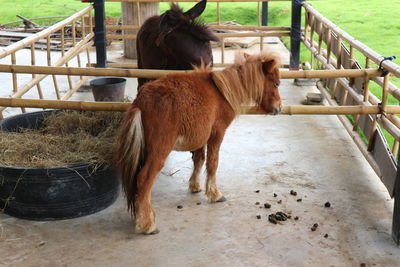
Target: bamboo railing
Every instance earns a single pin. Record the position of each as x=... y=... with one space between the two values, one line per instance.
x=80 y=42
x=334 y=49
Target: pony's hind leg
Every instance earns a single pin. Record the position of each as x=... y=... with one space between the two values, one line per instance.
x=198 y=161
x=144 y=212
x=212 y=191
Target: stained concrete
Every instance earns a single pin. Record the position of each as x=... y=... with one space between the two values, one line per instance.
x=260 y=156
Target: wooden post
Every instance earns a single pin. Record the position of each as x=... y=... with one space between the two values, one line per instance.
x=135 y=14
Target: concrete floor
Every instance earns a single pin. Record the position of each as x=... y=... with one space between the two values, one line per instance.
x=312 y=155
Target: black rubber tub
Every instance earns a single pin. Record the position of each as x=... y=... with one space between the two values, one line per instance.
x=53 y=193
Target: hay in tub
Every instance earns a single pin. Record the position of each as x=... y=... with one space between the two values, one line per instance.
x=63 y=139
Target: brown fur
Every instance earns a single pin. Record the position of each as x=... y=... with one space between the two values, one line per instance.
x=187 y=112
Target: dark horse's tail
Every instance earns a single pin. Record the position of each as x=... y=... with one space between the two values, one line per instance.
x=130 y=153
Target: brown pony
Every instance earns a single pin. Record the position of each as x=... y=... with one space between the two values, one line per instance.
x=174 y=41
x=187 y=112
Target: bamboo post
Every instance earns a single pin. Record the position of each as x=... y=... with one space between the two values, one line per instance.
x=63 y=54
x=321 y=27
x=385 y=90
x=91 y=32
x=306 y=23
x=351 y=58
x=55 y=82
x=366 y=91
x=33 y=62
x=14 y=75
x=312 y=37
x=222 y=50
x=218 y=14
x=78 y=57
x=339 y=53
x=395 y=149
x=328 y=45
x=366 y=82
x=258 y=13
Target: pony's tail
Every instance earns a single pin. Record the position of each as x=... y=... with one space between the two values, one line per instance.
x=130 y=154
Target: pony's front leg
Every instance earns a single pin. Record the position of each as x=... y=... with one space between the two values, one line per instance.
x=144 y=212
x=198 y=161
x=212 y=191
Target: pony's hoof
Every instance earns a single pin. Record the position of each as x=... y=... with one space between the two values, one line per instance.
x=196 y=191
x=154 y=232
x=221 y=199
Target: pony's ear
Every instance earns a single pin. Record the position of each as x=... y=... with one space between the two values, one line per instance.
x=246 y=56
x=196 y=11
x=269 y=66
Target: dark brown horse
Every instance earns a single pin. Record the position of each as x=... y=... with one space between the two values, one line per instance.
x=187 y=112
x=174 y=41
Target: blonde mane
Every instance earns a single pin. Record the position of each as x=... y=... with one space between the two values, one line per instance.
x=243 y=83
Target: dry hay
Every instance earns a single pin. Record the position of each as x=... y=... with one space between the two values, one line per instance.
x=63 y=139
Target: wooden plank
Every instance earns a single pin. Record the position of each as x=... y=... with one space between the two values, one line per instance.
x=386 y=162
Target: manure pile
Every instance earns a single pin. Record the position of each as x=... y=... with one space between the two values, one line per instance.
x=64 y=138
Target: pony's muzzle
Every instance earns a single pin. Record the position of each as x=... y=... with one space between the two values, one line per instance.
x=278 y=109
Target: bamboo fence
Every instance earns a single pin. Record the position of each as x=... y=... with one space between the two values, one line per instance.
x=333 y=49
x=81 y=42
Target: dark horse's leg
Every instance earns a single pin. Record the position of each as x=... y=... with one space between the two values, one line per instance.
x=198 y=161
x=213 y=146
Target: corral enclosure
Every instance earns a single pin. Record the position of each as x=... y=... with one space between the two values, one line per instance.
x=344 y=81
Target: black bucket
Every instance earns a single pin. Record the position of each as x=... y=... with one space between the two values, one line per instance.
x=57 y=192
x=108 y=89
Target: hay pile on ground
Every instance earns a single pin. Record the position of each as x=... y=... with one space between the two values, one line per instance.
x=65 y=138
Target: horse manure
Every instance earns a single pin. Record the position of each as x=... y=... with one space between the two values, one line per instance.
x=281 y=216
x=257 y=191
x=296 y=218
x=299 y=200
x=180 y=207
x=278 y=216
x=267 y=205
x=258 y=216
x=327 y=204
x=293 y=193
x=198 y=203
x=279 y=201
x=257 y=203
x=314 y=227
x=326 y=235
x=275 y=195
x=272 y=219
